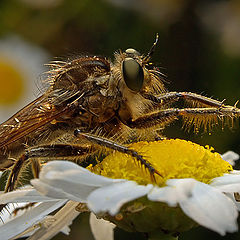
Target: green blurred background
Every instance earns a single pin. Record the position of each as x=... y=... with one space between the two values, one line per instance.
x=199 y=51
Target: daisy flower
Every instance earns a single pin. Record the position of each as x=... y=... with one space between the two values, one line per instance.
x=196 y=187
x=20 y=65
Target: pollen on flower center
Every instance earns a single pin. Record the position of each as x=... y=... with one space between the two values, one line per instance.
x=173 y=158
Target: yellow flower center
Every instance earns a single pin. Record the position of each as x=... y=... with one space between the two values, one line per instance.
x=171 y=158
x=11 y=83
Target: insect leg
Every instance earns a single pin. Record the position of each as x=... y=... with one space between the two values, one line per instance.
x=45 y=153
x=13 y=176
x=57 y=151
x=209 y=117
x=36 y=167
x=193 y=98
x=118 y=147
x=197 y=116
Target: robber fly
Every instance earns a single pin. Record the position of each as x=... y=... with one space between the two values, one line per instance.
x=109 y=104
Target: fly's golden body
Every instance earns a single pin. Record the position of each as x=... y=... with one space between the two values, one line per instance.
x=106 y=103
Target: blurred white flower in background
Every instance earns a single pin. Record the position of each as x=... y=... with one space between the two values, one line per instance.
x=21 y=64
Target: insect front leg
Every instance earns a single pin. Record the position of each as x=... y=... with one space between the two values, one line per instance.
x=118 y=147
x=192 y=98
x=41 y=154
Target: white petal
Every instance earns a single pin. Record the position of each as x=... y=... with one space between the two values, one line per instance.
x=21 y=223
x=63 y=179
x=23 y=195
x=237 y=172
x=78 y=174
x=177 y=189
x=111 y=198
x=231 y=196
x=201 y=202
x=59 y=222
x=164 y=194
x=230 y=157
x=66 y=230
x=227 y=183
x=101 y=229
x=52 y=192
x=211 y=208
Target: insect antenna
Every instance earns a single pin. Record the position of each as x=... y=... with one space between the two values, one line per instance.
x=152 y=49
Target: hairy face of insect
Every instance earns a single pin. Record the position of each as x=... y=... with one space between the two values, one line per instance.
x=134 y=73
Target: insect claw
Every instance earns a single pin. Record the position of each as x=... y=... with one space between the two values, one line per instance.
x=158 y=173
x=153 y=179
x=153 y=171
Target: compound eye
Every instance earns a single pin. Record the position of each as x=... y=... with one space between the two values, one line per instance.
x=132 y=74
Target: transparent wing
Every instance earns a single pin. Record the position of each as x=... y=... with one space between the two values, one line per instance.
x=32 y=117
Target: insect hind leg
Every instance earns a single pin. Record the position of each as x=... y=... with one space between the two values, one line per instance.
x=44 y=153
x=15 y=171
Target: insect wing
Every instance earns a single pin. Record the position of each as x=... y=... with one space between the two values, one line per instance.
x=32 y=117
